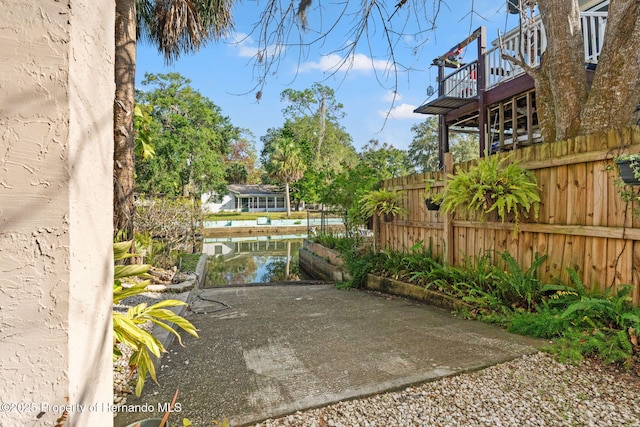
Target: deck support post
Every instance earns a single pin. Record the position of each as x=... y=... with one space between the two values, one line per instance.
x=482 y=85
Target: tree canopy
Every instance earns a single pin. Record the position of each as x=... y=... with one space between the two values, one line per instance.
x=423 y=150
x=191 y=138
x=241 y=161
x=313 y=115
x=386 y=160
x=312 y=121
x=175 y=27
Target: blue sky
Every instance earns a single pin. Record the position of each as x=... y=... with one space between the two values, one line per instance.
x=224 y=71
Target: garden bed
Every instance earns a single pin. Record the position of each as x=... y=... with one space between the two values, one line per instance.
x=327 y=264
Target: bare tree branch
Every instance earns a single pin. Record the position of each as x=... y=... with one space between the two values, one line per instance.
x=284 y=25
x=525 y=22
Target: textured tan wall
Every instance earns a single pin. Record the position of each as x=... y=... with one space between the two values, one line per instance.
x=56 y=97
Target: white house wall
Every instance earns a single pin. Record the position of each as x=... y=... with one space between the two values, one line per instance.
x=228 y=203
x=56 y=192
x=216 y=248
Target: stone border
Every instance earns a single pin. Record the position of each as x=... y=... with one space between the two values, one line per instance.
x=419 y=293
x=183 y=292
x=327 y=264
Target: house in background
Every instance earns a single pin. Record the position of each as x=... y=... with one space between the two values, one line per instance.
x=247 y=198
x=492 y=96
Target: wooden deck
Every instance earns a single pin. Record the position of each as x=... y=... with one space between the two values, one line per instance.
x=495 y=96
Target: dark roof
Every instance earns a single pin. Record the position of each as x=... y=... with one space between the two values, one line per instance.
x=254 y=189
x=443 y=105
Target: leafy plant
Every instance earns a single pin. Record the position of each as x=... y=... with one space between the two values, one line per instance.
x=545 y=323
x=493 y=185
x=383 y=202
x=338 y=242
x=142 y=122
x=633 y=160
x=517 y=287
x=612 y=346
x=608 y=311
x=431 y=198
x=127 y=328
x=360 y=263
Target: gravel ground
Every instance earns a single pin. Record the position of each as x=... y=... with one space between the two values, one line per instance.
x=530 y=391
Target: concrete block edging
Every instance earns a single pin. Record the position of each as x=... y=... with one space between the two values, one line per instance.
x=326 y=264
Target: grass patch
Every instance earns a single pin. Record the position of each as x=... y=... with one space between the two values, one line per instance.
x=188 y=262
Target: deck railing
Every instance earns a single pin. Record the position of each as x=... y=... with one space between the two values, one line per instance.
x=463 y=82
x=593 y=25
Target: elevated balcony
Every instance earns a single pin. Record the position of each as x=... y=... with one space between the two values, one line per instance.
x=462 y=86
x=494 y=97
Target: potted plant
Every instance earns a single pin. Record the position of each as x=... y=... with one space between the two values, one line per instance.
x=384 y=203
x=431 y=201
x=432 y=204
x=629 y=168
x=493 y=186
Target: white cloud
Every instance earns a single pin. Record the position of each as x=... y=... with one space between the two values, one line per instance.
x=246 y=46
x=392 y=97
x=334 y=62
x=402 y=111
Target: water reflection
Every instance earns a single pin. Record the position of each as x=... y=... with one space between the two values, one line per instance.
x=252 y=259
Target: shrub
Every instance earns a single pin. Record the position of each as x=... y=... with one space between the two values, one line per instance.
x=127 y=327
x=165 y=226
x=516 y=287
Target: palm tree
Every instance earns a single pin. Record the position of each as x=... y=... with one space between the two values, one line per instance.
x=286 y=165
x=175 y=27
x=237 y=173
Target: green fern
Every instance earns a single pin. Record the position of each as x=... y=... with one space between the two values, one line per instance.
x=517 y=287
x=383 y=202
x=608 y=346
x=611 y=311
x=493 y=185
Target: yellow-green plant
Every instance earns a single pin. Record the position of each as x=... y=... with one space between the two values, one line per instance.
x=127 y=326
x=493 y=185
x=383 y=202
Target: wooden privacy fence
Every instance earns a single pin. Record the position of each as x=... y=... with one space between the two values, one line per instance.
x=583 y=223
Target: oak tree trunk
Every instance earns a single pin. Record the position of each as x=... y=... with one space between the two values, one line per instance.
x=561 y=80
x=615 y=91
x=567 y=105
x=123 y=157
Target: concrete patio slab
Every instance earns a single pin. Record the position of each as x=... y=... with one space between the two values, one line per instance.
x=270 y=350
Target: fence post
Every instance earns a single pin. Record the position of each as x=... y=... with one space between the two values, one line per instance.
x=448 y=223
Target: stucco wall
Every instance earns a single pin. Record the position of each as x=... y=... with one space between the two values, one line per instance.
x=56 y=141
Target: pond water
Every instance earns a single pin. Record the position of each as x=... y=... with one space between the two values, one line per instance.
x=261 y=259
